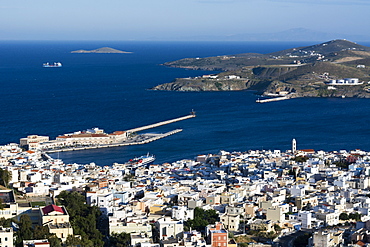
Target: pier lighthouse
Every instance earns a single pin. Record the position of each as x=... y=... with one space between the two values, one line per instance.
x=294 y=146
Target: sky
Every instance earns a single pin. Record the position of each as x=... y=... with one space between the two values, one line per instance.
x=175 y=19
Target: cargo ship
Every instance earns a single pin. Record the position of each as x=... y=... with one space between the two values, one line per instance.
x=54 y=65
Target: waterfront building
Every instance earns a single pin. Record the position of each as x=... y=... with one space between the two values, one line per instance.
x=25 y=142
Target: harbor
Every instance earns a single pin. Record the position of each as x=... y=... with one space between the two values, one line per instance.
x=96 y=138
x=141 y=139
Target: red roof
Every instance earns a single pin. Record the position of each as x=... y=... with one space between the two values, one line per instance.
x=360 y=243
x=51 y=208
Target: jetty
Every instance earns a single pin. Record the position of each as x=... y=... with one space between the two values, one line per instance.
x=272 y=99
x=160 y=123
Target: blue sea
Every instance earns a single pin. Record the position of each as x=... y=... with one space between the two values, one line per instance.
x=110 y=91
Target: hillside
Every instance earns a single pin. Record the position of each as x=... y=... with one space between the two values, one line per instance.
x=301 y=72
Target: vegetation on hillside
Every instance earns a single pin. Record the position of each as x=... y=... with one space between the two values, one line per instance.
x=83 y=219
x=202 y=218
x=5 y=177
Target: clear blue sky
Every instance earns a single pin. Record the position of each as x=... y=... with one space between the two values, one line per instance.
x=164 y=19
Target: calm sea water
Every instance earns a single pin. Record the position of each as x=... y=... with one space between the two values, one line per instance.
x=109 y=91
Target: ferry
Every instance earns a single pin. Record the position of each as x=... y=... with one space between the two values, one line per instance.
x=54 y=65
x=142 y=160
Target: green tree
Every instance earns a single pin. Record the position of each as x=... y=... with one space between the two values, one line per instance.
x=5 y=177
x=300 y=159
x=73 y=241
x=83 y=218
x=25 y=227
x=25 y=231
x=2 y=204
x=5 y=222
x=202 y=218
x=343 y=216
x=41 y=232
x=120 y=239
x=354 y=216
x=277 y=228
x=54 y=241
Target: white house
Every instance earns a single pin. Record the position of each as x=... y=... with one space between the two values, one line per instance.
x=6 y=237
x=182 y=213
x=168 y=228
x=305 y=218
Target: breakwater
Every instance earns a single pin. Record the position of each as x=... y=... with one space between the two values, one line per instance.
x=272 y=99
x=160 y=123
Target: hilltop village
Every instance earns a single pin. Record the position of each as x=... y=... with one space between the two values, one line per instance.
x=254 y=198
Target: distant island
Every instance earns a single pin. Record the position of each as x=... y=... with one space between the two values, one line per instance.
x=337 y=68
x=101 y=50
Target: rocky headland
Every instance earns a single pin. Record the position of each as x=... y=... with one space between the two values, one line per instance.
x=298 y=72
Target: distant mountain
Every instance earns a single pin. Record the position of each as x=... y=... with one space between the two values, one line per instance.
x=326 y=48
x=295 y=34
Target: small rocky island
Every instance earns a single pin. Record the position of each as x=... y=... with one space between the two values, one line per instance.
x=338 y=68
x=101 y=50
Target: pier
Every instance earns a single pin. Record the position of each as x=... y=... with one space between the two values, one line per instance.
x=160 y=123
x=271 y=100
